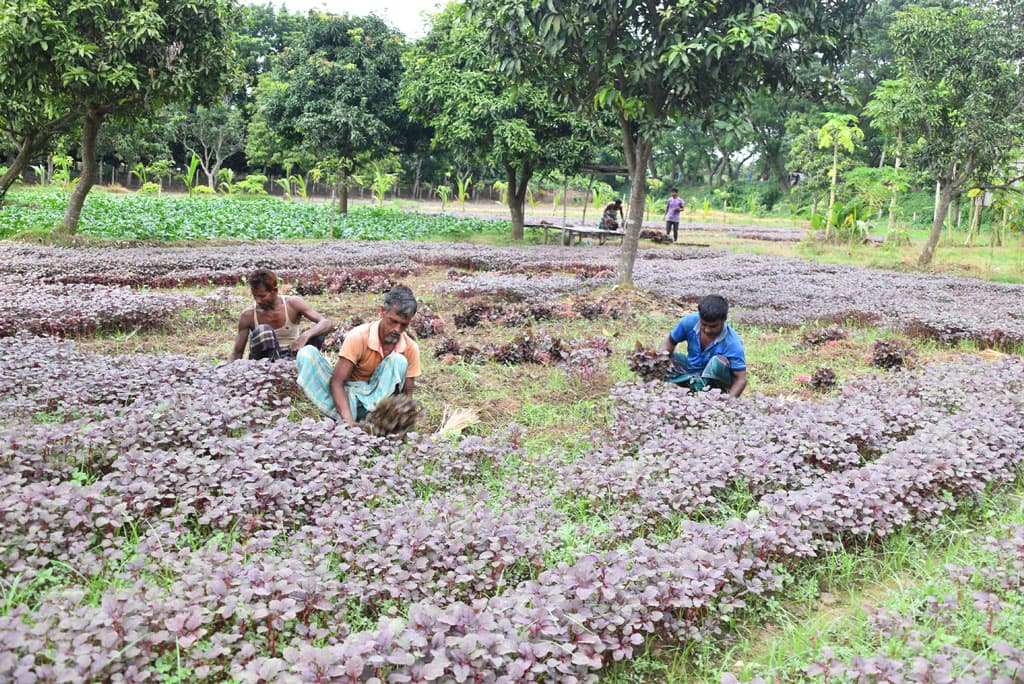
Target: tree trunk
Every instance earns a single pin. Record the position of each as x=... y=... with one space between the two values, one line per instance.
x=778 y=169
x=945 y=196
x=416 y=181
x=832 y=188
x=895 y=191
x=343 y=190
x=28 y=148
x=638 y=155
x=90 y=130
x=517 y=197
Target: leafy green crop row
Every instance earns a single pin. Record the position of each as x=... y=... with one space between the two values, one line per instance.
x=137 y=217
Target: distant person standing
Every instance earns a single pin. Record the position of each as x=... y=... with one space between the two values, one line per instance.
x=610 y=217
x=673 y=208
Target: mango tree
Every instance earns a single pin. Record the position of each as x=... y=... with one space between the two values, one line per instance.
x=336 y=92
x=962 y=65
x=650 y=63
x=121 y=58
x=892 y=107
x=450 y=84
x=34 y=109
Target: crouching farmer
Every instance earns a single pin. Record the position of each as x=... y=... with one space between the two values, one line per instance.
x=271 y=326
x=377 y=360
x=714 y=352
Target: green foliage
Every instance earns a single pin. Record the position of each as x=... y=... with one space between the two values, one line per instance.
x=462 y=184
x=959 y=78
x=112 y=59
x=443 y=192
x=140 y=172
x=149 y=188
x=451 y=84
x=648 y=62
x=501 y=187
x=226 y=178
x=253 y=184
x=140 y=217
x=161 y=169
x=334 y=93
x=189 y=176
x=382 y=182
x=211 y=134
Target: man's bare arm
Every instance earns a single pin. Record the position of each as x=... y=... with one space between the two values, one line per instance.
x=409 y=386
x=242 y=337
x=342 y=372
x=739 y=383
x=322 y=327
x=668 y=345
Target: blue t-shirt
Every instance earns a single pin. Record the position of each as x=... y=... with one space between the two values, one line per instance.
x=727 y=344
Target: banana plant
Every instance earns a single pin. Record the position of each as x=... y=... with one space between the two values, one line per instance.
x=300 y=186
x=141 y=172
x=556 y=197
x=463 y=183
x=286 y=185
x=40 y=171
x=189 y=176
x=62 y=174
x=382 y=182
x=227 y=181
x=501 y=187
x=444 y=192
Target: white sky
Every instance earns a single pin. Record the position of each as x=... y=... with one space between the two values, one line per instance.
x=405 y=15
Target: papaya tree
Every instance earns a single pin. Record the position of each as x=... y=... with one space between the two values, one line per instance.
x=838 y=131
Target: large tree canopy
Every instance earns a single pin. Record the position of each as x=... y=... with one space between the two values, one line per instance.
x=451 y=84
x=338 y=93
x=652 y=62
x=960 y=69
x=101 y=58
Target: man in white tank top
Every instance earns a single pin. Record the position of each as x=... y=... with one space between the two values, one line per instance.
x=271 y=326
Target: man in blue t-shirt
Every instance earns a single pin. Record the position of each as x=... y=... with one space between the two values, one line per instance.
x=714 y=352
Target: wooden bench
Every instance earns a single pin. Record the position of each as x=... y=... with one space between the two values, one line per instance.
x=581 y=231
x=545 y=226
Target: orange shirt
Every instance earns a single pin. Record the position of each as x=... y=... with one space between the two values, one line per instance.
x=362 y=347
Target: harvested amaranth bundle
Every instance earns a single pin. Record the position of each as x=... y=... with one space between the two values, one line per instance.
x=650 y=364
x=395 y=415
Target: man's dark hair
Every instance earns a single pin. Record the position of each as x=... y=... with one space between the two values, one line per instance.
x=401 y=300
x=676 y=190
x=617 y=202
x=713 y=308
x=264 y=278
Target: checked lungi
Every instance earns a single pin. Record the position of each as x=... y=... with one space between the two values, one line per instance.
x=716 y=374
x=263 y=344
